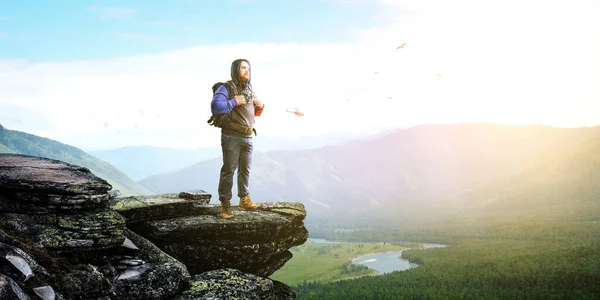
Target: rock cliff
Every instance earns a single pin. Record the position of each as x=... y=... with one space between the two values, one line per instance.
x=255 y=242
x=63 y=235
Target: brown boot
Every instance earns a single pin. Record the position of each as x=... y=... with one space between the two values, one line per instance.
x=226 y=209
x=247 y=204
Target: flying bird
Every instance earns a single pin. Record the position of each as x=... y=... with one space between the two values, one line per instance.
x=401 y=46
x=295 y=111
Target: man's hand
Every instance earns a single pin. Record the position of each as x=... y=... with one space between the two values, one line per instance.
x=240 y=100
x=257 y=103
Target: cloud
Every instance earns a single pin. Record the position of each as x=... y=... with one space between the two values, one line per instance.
x=111 y=12
x=526 y=71
x=91 y=98
x=514 y=56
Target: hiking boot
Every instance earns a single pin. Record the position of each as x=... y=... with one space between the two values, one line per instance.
x=226 y=209
x=246 y=203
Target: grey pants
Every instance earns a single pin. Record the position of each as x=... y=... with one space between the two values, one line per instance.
x=237 y=154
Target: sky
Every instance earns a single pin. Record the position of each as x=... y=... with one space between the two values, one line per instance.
x=107 y=74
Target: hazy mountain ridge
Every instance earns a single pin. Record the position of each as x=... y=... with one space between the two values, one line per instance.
x=140 y=162
x=397 y=174
x=12 y=141
x=564 y=186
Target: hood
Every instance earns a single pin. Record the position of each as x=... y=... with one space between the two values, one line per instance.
x=235 y=72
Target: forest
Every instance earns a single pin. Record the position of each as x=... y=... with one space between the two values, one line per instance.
x=529 y=260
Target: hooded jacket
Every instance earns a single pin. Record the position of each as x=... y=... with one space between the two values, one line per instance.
x=243 y=114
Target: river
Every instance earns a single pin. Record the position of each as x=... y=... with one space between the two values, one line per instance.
x=381 y=262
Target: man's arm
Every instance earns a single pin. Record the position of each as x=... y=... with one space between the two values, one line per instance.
x=221 y=103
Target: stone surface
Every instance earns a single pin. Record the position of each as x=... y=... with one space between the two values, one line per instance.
x=40 y=185
x=145 y=272
x=83 y=230
x=19 y=265
x=156 y=207
x=201 y=195
x=166 y=278
x=233 y=284
x=255 y=242
x=25 y=272
x=10 y=290
x=26 y=173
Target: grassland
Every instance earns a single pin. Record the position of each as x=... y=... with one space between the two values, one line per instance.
x=327 y=262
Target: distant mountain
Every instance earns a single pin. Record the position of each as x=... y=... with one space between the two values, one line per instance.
x=12 y=141
x=564 y=186
x=398 y=175
x=266 y=144
x=140 y=162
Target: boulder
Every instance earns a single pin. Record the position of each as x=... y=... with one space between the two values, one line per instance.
x=255 y=242
x=233 y=284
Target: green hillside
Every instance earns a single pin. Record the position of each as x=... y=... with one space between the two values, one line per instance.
x=12 y=141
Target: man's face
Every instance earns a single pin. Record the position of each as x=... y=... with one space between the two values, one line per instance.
x=245 y=71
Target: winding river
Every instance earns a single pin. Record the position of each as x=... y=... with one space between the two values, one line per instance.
x=381 y=262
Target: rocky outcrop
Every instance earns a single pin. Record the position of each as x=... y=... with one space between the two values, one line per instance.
x=233 y=284
x=61 y=238
x=39 y=186
x=255 y=242
x=57 y=215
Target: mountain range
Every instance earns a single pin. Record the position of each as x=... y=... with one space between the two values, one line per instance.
x=420 y=175
x=140 y=162
x=404 y=175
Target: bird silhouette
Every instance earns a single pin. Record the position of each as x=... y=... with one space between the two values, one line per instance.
x=401 y=46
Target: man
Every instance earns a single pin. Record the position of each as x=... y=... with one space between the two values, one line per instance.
x=236 y=136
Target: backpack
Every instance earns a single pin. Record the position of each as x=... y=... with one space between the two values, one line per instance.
x=220 y=120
